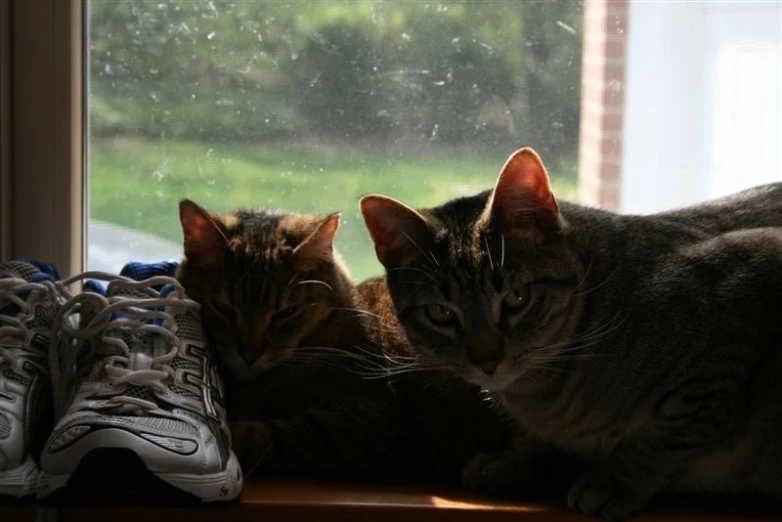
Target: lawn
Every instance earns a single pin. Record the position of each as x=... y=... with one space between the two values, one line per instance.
x=138 y=183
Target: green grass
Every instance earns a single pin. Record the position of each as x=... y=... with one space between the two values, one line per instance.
x=138 y=183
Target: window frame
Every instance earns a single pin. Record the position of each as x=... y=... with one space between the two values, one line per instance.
x=42 y=138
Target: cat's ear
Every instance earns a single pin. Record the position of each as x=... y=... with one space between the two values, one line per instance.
x=522 y=200
x=398 y=231
x=204 y=239
x=318 y=247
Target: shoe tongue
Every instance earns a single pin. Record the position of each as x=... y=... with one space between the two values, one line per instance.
x=90 y=309
x=141 y=271
x=94 y=286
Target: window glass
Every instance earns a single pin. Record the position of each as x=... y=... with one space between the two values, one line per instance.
x=309 y=105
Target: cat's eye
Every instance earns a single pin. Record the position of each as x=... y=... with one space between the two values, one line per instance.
x=440 y=315
x=286 y=312
x=516 y=300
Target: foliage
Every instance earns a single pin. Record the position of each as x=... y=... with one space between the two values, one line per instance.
x=450 y=72
x=337 y=84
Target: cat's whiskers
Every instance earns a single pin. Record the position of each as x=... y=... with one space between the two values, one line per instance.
x=315 y=282
x=429 y=255
x=547 y=358
x=396 y=371
x=591 y=336
x=586 y=273
x=596 y=287
x=414 y=269
x=426 y=255
x=311 y=361
x=424 y=284
x=488 y=251
x=330 y=358
x=356 y=310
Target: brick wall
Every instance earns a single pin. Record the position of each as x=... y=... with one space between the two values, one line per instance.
x=602 y=102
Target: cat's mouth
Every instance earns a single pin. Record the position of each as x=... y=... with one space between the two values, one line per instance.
x=500 y=379
x=248 y=368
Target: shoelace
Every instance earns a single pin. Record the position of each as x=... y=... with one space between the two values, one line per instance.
x=13 y=328
x=117 y=316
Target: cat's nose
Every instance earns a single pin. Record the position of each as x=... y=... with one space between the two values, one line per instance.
x=489 y=367
x=251 y=353
x=250 y=358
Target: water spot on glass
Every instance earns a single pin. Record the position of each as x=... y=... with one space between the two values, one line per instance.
x=439 y=84
x=433 y=136
x=406 y=37
x=211 y=35
x=107 y=68
x=210 y=153
x=158 y=175
x=210 y=182
x=155 y=97
x=224 y=102
x=566 y=27
x=153 y=71
x=192 y=96
x=486 y=46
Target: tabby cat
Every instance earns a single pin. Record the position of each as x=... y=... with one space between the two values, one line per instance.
x=648 y=346
x=307 y=390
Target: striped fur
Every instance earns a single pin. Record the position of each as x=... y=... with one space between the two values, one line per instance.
x=310 y=394
x=292 y=346
x=650 y=347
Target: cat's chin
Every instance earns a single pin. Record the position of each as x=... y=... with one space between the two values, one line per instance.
x=242 y=372
x=493 y=383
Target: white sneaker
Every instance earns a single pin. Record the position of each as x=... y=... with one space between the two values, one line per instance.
x=29 y=299
x=141 y=409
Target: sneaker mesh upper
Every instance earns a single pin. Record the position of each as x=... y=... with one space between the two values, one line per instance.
x=5 y=427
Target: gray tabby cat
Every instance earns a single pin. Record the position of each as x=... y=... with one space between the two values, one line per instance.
x=648 y=346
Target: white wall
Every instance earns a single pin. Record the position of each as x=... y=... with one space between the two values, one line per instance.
x=703 y=101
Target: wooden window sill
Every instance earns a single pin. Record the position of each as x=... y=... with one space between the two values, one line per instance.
x=300 y=501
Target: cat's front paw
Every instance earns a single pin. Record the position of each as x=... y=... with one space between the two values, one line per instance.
x=491 y=474
x=603 y=494
x=250 y=442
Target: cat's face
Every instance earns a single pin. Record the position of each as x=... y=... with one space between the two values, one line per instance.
x=484 y=286
x=264 y=280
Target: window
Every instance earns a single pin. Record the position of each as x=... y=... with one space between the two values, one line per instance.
x=309 y=105
x=643 y=104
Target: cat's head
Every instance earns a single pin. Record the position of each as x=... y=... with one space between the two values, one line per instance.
x=265 y=281
x=483 y=285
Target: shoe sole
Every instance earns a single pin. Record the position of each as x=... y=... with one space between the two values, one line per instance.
x=119 y=476
x=21 y=481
